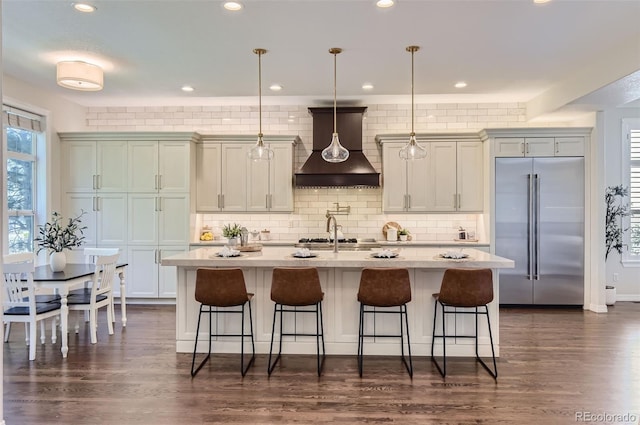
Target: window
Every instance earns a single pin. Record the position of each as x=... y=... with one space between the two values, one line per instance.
x=21 y=130
x=631 y=136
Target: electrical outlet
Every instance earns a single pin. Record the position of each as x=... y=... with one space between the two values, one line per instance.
x=616 y=277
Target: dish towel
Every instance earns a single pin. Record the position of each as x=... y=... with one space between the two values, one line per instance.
x=228 y=252
x=303 y=252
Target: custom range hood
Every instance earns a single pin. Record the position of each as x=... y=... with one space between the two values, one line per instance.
x=356 y=171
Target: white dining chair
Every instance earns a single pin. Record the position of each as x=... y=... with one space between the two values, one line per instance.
x=20 y=304
x=99 y=294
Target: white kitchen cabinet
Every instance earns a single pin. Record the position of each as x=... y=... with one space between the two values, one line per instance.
x=450 y=179
x=158 y=219
x=227 y=180
x=535 y=146
x=161 y=166
x=90 y=166
x=105 y=217
x=146 y=278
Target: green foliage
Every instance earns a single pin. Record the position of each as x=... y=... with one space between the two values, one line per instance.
x=616 y=209
x=231 y=230
x=56 y=237
x=403 y=231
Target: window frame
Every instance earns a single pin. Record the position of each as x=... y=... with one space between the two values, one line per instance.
x=628 y=125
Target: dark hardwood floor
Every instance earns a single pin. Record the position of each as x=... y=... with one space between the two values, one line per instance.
x=554 y=364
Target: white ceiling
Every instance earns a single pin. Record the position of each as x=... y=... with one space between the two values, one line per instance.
x=506 y=50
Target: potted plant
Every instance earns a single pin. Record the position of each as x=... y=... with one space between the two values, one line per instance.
x=403 y=234
x=232 y=232
x=617 y=208
x=55 y=236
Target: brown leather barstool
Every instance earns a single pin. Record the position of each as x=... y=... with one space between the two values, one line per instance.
x=384 y=287
x=296 y=287
x=222 y=288
x=467 y=288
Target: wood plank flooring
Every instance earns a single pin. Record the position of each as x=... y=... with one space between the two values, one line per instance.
x=554 y=363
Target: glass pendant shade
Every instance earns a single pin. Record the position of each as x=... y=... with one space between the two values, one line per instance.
x=260 y=152
x=335 y=152
x=412 y=150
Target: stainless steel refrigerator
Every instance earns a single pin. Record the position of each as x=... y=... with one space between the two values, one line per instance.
x=539 y=223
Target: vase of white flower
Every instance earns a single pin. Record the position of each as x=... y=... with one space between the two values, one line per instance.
x=56 y=237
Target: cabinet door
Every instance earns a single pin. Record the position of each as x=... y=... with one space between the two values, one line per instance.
x=143 y=219
x=75 y=204
x=394 y=179
x=111 y=214
x=208 y=177
x=79 y=166
x=442 y=177
x=111 y=166
x=569 y=146
x=281 y=178
x=509 y=146
x=142 y=272
x=539 y=146
x=173 y=167
x=168 y=276
x=143 y=166
x=173 y=219
x=257 y=188
x=470 y=177
x=234 y=178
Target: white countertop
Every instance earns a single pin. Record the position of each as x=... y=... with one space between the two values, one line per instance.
x=290 y=243
x=273 y=256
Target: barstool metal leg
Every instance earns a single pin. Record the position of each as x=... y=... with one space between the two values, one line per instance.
x=195 y=347
x=244 y=370
x=494 y=372
x=443 y=370
x=273 y=329
x=406 y=322
x=361 y=340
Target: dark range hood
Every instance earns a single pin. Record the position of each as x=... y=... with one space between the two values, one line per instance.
x=356 y=171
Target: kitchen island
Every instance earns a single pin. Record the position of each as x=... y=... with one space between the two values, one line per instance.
x=340 y=278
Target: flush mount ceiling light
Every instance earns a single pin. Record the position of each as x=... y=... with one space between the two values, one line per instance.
x=187 y=88
x=84 y=7
x=275 y=87
x=260 y=152
x=335 y=152
x=412 y=150
x=78 y=75
x=460 y=85
x=232 y=5
x=367 y=86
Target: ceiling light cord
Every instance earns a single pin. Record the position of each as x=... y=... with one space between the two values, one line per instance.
x=412 y=150
x=260 y=152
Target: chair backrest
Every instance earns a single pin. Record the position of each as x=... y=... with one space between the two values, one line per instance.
x=384 y=287
x=296 y=286
x=90 y=254
x=466 y=287
x=103 y=275
x=221 y=287
x=18 y=281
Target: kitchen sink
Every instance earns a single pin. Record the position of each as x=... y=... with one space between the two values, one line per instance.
x=341 y=246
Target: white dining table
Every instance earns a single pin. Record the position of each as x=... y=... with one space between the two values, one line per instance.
x=74 y=275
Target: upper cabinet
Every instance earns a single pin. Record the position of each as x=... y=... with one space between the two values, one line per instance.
x=227 y=180
x=161 y=166
x=450 y=179
x=532 y=142
x=89 y=166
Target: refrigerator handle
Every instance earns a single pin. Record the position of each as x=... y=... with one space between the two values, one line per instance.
x=537 y=228
x=529 y=226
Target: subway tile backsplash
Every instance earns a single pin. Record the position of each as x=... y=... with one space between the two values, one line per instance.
x=366 y=218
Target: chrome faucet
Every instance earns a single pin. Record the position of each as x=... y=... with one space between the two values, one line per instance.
x=335 y=230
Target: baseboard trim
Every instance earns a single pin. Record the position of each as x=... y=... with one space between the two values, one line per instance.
x=628 y=297
x=598 y=308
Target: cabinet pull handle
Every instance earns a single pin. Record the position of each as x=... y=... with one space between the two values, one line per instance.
x=266 y=201
x=408 y=202
x=527 y=143
x=222 y=206
x=158 y=204
x=157 y=256
x=522 y=148
x=455 y=201
x=155 y=182
x=95 y=207
x=99 y=181
x=93 y=182
x=159 y=181
x=557 y=148
x=459 y=202
x=219 y=206
x=270 y=201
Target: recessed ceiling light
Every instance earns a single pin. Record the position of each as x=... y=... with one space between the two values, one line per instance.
x=187 y=88
x=84 y=7
x=541 y=1
x=367 y=86
x=460 y=85
x=232 y=5
x=275 y=87
x=385 y=3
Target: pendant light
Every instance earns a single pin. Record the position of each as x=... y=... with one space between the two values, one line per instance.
x=335 y=152
x=260 y=152
x=412 y=150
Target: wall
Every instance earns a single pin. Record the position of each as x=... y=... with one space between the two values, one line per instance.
x=366 y=218
x=628 y=286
